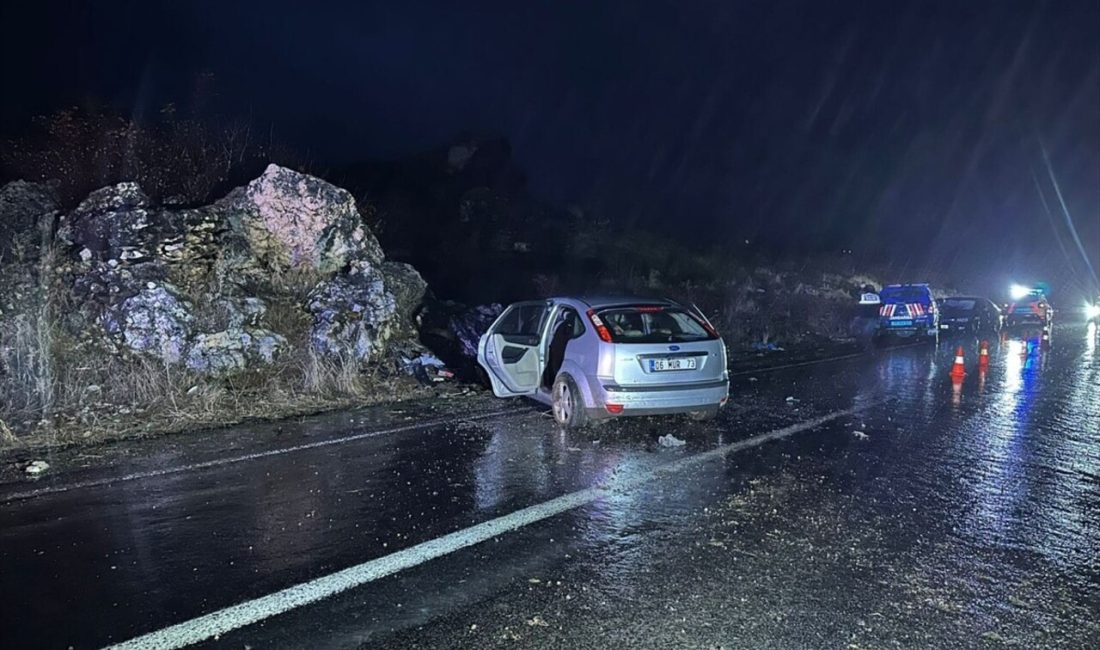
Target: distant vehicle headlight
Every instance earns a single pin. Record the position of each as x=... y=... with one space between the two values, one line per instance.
x=1019 y=292
x=1092 y=311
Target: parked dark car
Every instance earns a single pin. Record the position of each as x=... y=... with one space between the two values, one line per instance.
x=969 y=314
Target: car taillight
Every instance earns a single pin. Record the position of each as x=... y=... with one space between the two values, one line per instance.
x=614 y=409
x=601 y=329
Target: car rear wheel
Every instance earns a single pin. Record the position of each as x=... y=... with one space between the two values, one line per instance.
x=566 y=403
x=704 y=415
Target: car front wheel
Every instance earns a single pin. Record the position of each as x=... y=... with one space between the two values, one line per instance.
x=567 y=405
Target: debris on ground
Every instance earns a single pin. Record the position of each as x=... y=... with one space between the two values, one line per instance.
x=36 y=467
x=670 y=440
x=767 y=347
x=427 y=368
x=860 y=435
x=537 y=621
x=793 y=400
x=753 y=379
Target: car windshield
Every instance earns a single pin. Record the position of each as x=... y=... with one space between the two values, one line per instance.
x=904 y=294
x=958 y=304
x=645 y=324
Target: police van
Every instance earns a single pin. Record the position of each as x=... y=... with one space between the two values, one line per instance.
x=909 y=311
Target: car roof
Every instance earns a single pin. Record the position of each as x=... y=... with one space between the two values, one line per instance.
x=604 y=301
x=978 y=298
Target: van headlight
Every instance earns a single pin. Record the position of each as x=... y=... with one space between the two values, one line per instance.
x=1092 y=311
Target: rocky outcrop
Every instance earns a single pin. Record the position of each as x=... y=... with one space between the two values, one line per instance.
x=353 y=314
x=408 y=290
x=156 y=321
x=295 y=221
x=232 y=350
x=192 y=286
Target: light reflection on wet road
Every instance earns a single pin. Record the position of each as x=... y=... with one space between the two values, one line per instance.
x=980 y=505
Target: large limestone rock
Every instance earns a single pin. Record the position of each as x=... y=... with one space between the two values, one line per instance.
x=232 y=350
x=155 y=321
x=353 y=314
x=110 y=224
x=296 y=221
x=191 y=286
x=408 y=289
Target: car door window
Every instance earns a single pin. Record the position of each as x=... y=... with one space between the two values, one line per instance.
x=522 y=324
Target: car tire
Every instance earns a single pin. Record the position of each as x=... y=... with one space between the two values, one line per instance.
x=566 y=403
x=704 y=415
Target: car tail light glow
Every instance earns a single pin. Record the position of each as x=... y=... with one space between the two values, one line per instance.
x=614 y=409
x=601 y=329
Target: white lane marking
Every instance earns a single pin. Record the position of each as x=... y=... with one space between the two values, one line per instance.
x=249 y=612
x=217 y=462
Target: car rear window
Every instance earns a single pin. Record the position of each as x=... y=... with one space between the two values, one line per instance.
x=905 y=294
x=647 y=324
x=958 y=304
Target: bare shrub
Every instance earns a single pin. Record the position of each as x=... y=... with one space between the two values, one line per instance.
x=171 y=156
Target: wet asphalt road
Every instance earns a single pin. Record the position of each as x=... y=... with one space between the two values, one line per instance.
x=933 y=517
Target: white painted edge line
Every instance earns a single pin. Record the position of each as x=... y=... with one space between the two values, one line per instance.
x=217 y=462
x=231 y=618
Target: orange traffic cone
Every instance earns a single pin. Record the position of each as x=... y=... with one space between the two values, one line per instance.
x=983 y=356
x=958 y=371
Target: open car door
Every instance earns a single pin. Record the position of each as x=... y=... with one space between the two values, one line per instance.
x=511 y=352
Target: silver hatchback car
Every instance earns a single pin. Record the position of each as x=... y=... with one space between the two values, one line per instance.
x=600 y=358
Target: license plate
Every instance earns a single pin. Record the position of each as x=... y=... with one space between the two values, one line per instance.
x=661 y=365
x=945 y=327
x=901 y=323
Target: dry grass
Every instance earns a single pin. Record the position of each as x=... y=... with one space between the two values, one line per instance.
x=102 y=397
x=58 y=389
x=27 y=359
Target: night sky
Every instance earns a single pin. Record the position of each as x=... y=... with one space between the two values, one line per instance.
x=914 y=130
